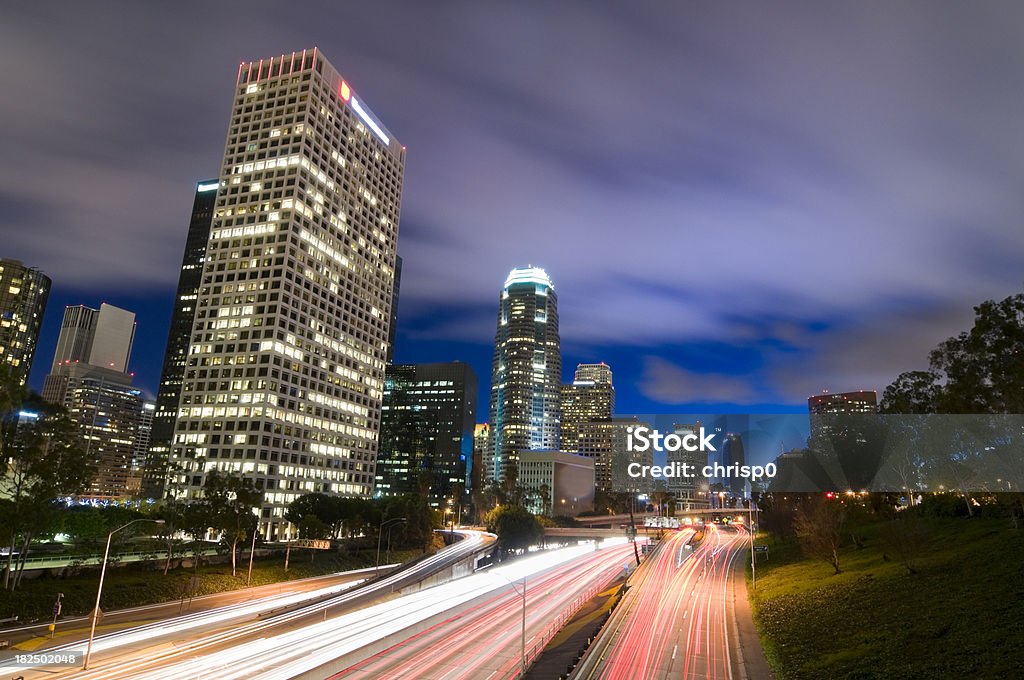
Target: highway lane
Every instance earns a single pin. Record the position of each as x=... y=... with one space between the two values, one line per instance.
x=76 y=629
x=483 y=639
x=676 y=621
x=134 y=650
x=312 y=650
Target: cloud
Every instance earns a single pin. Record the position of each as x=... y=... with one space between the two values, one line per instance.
x=667 y=383
x=722 y=173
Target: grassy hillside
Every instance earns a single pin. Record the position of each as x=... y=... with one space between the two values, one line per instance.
x=960 y=616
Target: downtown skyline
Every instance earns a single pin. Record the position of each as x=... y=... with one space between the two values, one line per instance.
x=818 y=235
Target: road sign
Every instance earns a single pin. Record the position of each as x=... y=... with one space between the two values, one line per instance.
x=761 y=548
x=312 y=543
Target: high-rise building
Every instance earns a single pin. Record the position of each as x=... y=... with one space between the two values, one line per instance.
x=596 y=373
x=606 y=441
x=91 y=338
x=590 y=396
x=178 y=337
x=526 y=371
x=426 y=432
x=821 y=406
x=23 y=295
x=141 y=451
x=285 y=369
x=98 y=337
x=393 y=328
x=690 y=492
x=89 y=378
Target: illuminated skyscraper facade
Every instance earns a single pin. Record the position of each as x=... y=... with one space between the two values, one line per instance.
x=178 y=337
x=23 y=295
x=90 y=379
x=589 y=397
x=285 y=369
x=526 y=370
x=427 y=427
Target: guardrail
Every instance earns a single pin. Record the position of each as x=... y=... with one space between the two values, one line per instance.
x=55 y=561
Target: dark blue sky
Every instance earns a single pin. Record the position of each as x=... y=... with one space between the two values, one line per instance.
x=739 y=204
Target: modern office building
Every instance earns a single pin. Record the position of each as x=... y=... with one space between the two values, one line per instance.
x=178 y=337
x=393 y=328
x=285 y=371
x=606 y=441
x=689 y=492
x=427 y=424
x=823 y=407
x=92 y=339
x=141 y=452
x=526 y=370
x=23 y=295
x=98 y=337
x=599 y=373
x=90 y=379
x=590 y=396
x=557 y=482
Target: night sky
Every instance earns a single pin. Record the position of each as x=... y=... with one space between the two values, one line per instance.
x=739 y=205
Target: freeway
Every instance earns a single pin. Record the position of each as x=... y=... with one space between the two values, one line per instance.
x=675 y=622
x=484 y=638
x=152 y=647
x=313 y=649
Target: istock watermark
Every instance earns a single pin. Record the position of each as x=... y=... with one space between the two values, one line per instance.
x=677 y=470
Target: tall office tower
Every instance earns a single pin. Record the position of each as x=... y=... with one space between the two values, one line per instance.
x=526 y=371
x=821 y=406
x=596 y=373
x=91 y=339
x=286 y=362
x=589 y=397
x=99 y=337
x=393 y=328
x=606 y=441
x=23 y=294
x=426 y=431
x=690 y=492
x=141 y=449
x=89 y=379
x=178 y=337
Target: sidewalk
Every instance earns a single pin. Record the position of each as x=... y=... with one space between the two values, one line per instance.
x=749 y=656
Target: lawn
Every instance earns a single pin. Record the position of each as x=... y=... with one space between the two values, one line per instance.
x=960 y=616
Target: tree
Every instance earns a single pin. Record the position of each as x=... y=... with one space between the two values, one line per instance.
x=45 y=461
x=978 y=371
x=516 y=527
x=231 y=501
x=819 y=529
x=912 y=392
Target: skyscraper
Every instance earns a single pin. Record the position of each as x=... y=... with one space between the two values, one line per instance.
x=285 y=369
x=590 y=396
x=89 y=378
x=526 y=371
x=98 y=337
x=393 y=329
x=427 y=427
x=178 y=337
x=23 y=294
x=822 y=408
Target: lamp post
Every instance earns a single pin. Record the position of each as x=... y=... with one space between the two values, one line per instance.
x=99 y=591
x=380 y=532
x=522 y=642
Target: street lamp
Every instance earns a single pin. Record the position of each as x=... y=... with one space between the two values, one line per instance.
x=99 y=591
x=380 y=532
x=522 y=644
